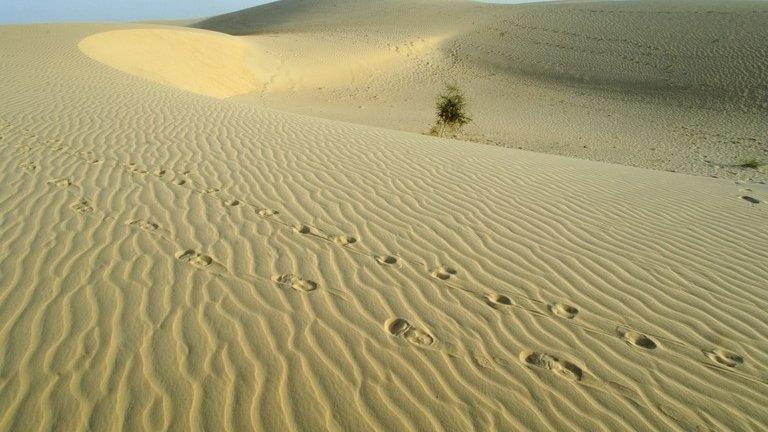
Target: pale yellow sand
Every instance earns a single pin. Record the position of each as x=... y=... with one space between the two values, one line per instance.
x=206 y=63
x=173 y=261
x=670 y=85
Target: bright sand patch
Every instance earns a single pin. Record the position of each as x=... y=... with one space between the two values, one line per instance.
x=203 y=62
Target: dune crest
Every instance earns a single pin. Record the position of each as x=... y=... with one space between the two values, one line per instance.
x=203 y=62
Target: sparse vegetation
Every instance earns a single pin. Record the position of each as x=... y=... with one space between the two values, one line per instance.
x=451 y=111
x=752 y=162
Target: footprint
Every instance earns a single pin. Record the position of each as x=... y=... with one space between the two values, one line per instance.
x=232 y=203
x=62 y=182
x=563 y=310
x=443 y=273
x=401 y=328
x=295 y=282
x=179 y=182
x=495 y=300
x=267 y=212
x=89 y=158
x=29 y=166
x=343 y=240
x=386 y=259
x=159 y=172
x=563 y=368
x=134 y=169
x=301 y=229
x=724 y=357
x=82 y=207
x=143 y=224
x=639 y=340
x=194 y=258
x=750 y=199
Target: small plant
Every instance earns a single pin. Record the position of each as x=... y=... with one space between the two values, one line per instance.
x=752 y=162
x=451 y=111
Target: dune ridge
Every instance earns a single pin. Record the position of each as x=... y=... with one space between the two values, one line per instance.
x=173 y=261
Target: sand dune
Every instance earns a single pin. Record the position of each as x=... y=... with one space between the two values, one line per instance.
x=176 y=261
x=670 y=85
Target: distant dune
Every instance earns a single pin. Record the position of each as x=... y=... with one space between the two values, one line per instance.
x=642 y=83
x=177 y=254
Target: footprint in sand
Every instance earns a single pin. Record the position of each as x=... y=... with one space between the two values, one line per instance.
x=496 y=300
x=296 y=282
x=265 y=212
x=194 y=258
x=29 y=166
x=563 y=310
x=343 y=240
x=143 y=224
x=179 y=182
x=443 y=273
x=61 y=182
x=301 y=229
x=636 y=339
x=401 y=328
x=232 y=203
x=82 y=207
x=134 y=169
x=750 y=199
x=386 y=259
x=563 y=368
x=724 y=357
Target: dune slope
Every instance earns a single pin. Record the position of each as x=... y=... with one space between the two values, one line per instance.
x=170 y=261
x=670 y=85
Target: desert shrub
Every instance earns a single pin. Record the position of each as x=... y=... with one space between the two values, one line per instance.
x=752 y=162
x=451 y=111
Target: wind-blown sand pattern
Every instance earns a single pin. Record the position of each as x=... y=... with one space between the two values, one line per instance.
x=174 y=261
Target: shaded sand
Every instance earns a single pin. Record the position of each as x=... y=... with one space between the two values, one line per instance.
x=170 y=261
x=670 y=85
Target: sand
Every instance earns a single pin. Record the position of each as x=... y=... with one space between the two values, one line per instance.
x=179 y=260
x=668 y=85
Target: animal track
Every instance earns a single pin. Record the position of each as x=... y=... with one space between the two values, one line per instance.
x=267 y=212
x=143 y=224
x=62 y=182
x=563 y=368
x=82 y=207
x=29 y=166
x=301 y=229
x=296 y=282
x=194 y=258
x=724 y=357
x=232 y=203
x=563 y=310
x=386 y=259
x=132 y=168
x=343 y=240
x=750 y=199
x=401 y=328
x=639 y=340
x=495 y=300
x=443 y=273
